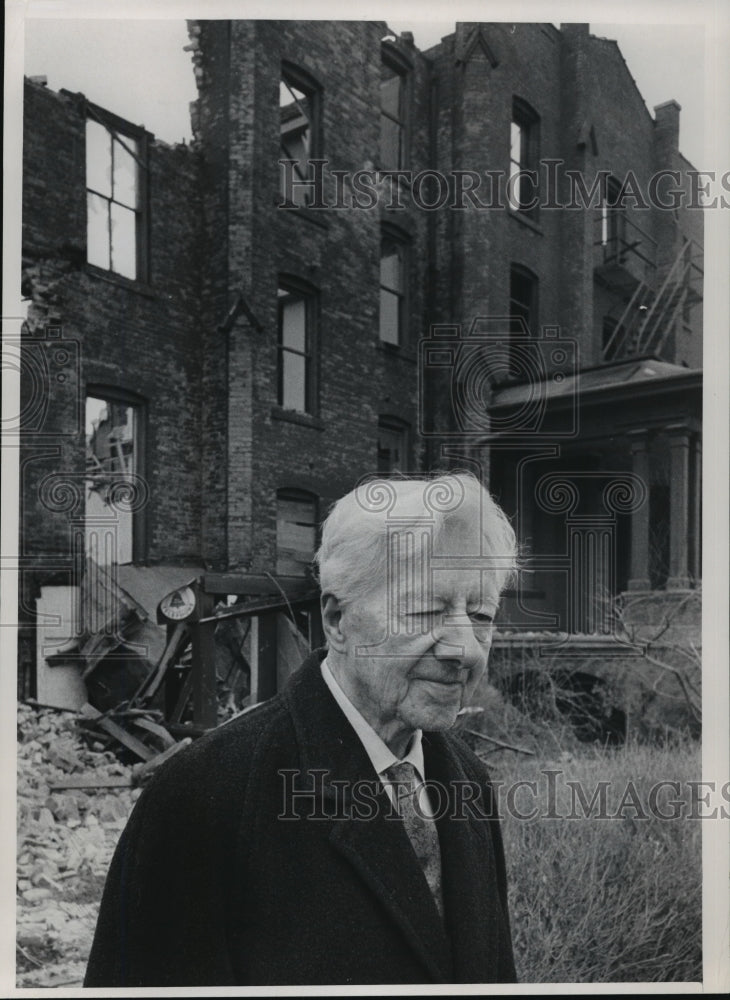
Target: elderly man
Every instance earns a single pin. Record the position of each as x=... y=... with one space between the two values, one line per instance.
x=337 y=833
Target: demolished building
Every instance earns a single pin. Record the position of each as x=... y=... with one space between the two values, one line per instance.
x=407 y=261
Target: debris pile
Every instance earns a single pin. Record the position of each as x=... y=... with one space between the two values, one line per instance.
x=74 y=799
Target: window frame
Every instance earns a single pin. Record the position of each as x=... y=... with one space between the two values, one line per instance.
x=402 y=428
x=115 y=394
x=120 y=129
x=299 y=290
x=296 y=494
x=613 y=222
x=519 y=270
x=398 y=63
x=527 y=120
x=294 y=76
x=402 y=240
x=532 y=321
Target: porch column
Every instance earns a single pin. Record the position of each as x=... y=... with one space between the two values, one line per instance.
x=639 y=573
x=696 y=563
x=678 y=578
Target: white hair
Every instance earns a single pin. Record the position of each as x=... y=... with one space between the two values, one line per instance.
x=353 y=557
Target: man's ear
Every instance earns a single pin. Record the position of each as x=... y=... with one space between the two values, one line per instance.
x=332 y=622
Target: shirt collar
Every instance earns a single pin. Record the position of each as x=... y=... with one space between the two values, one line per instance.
x=381 y=756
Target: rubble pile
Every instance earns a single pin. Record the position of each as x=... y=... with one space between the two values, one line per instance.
x=73 y=802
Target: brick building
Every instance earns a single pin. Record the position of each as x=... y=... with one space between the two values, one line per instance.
x=370 y=258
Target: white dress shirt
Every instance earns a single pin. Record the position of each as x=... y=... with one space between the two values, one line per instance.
x=381 y=756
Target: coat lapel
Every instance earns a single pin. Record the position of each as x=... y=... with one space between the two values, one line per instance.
x=377 y=847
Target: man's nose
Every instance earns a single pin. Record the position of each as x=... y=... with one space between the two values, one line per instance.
x=456 y=640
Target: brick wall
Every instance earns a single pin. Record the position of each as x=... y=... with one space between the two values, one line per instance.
x=592 y=118
x=334 y=251
x=197 y=343
x=134 y=336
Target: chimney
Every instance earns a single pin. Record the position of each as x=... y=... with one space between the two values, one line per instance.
x=666 y=124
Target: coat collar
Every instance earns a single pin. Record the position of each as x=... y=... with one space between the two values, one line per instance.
x=378 y=849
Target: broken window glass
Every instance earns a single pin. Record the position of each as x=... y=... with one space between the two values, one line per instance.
x=97 y=230
x=123 y=241
x=112 y=458
x=98 y=159
x=125 y=172
x=296 y=116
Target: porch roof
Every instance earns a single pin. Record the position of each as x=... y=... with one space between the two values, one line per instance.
x=635 y=374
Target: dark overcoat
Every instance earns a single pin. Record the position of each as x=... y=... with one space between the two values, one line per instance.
x=224 y=877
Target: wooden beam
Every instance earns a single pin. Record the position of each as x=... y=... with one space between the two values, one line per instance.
x=142 y=772
x=205 y=701
x=177 y=706
x=265 y=604
x=254 y=585
x=176 y=639
x=121 y=735
x=157 y=730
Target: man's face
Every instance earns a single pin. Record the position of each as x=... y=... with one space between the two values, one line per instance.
x=417 y=649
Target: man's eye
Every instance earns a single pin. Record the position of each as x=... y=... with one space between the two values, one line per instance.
x=481 y=618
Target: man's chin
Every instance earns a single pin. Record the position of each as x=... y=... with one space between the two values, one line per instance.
x=434 y=719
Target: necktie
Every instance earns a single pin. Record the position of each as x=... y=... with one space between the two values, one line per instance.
x=421 y=829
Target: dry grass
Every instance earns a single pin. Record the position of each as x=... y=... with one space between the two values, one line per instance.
x=604 y=899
